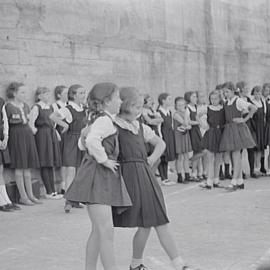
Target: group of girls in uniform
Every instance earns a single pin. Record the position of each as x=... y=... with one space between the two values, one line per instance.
x=44 y=137
x=207 y=138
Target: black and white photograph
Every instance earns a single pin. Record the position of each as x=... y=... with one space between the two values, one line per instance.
x=134 y=134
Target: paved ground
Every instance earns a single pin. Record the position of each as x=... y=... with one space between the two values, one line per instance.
x=214 y=229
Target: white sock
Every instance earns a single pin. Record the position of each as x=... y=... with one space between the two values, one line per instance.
x=178 y=263
x=240 y=181
x=136 y=262
x=4 y=194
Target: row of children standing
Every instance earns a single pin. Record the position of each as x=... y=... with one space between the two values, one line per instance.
x=43 y=138
x=216 y=134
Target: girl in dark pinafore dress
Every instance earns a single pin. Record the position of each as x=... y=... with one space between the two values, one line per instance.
x=60 y=94
x=182 y=140
x=5 y=203
x=195 y=135
x=259 y=125
x=236 y=135
x=46 y=140
x=167 y=134
x=148 y=206
x=21 y=143
x=98 y=182
x=71 y=118
x=212 y=137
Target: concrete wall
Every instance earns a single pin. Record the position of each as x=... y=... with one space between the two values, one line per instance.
x=156 y=45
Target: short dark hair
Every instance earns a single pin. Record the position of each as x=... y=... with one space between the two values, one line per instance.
x=72 y=91
x=188 y=94
x=162 y=97
x=178 y=99
x=58 y=90
x=240 y=85
x=12 y=89
x=229 y=85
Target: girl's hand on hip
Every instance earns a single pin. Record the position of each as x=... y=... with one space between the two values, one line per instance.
x=111 y=164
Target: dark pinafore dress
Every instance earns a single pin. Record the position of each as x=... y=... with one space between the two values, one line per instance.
x=71 y=154
x=212 y=137
x=46 y=139
x=21 y=143
x=4 y=154
x=96 y=184
x=168 y=136
x=195 y=134
x=267 y=125
x=258 y=121
x=182 y=139
x=148 y=206
x=236 y=136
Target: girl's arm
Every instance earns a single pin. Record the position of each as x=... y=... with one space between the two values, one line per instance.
x=152 y=121
x=57 y=118
x=242 y=106
x=159 y=147
x=33 y=115
x=6 y=128
x=100 y=129
x=189 y=121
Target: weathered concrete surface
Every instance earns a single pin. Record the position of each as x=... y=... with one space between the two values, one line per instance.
x=214 y=230
x=156 y=45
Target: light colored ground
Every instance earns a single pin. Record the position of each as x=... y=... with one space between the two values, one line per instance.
x=214 y=229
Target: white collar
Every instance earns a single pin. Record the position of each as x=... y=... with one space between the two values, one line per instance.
x=75 y=106
x=164 y=111
x=61 y=103
x=231 y=101
x=111 y=115
x=133 y=126
x=192 y=107
x=43 y=105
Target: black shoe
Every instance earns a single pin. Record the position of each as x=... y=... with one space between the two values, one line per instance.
x=263 y=171
x=14 y=206
x=5 y=208
x=140 y=267
x=76 y=205
x=206 y=186
x=228 y=176
x=179 y=178
x=254 y=175
x=242 y=186
x=217 y=186
x=62 y=192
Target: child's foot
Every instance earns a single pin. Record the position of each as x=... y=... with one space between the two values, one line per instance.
x=5 y=208
x=254 y=175
x=26 y=202
x=140 y=267
x=217 y=186
x=167 y=182
x=76 y=205
x=242 y=186
x=54 y=196
x=205 y=186
x=35 y=200
x=67 y=207
x=14 y=206
x=231 y=188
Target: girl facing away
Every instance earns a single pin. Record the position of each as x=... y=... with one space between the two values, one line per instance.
x=148 y=207
x=98 y=182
